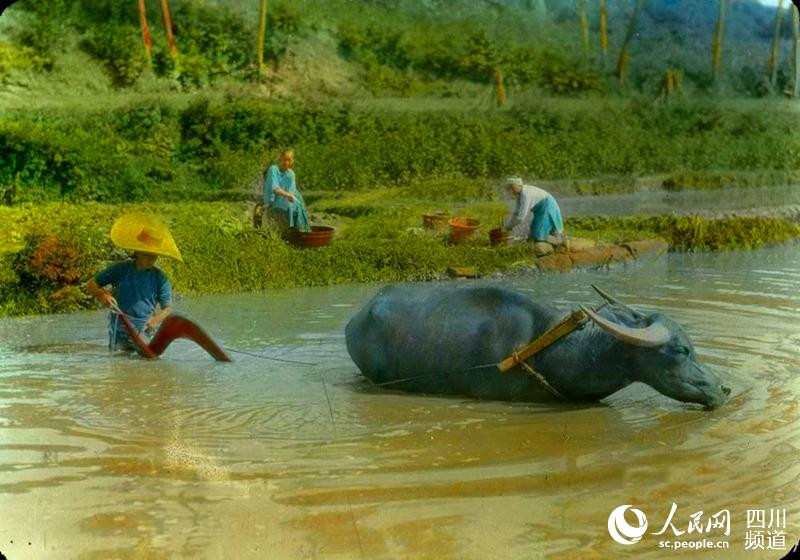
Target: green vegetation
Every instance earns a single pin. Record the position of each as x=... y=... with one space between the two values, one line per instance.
x=568 y=119
x=214 y=41
x=689 y=233
x=403 y=45
x=53 y=249
x=19 y=57
x=214 y=149
x=394 y=109
x=57 y=246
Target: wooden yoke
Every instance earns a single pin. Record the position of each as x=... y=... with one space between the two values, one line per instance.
x=562 y=329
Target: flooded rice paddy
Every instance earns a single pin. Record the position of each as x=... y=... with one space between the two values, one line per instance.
x=775 y=200
x=110 y=457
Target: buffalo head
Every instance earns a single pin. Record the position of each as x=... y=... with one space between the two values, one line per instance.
x=660 y=354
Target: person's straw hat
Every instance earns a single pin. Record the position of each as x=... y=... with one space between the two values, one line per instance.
x=514 y=181
x=144 y=233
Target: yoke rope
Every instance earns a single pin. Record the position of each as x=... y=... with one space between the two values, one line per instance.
x=426 y=375
x=538 y=377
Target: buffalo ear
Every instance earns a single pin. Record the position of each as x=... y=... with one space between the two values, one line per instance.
x=654 y=335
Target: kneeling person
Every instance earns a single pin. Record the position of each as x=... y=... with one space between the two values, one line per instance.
x=546 y=223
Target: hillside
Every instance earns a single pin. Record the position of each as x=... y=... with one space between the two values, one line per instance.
x=394 y=108
x=380 y=47
x=381 y=93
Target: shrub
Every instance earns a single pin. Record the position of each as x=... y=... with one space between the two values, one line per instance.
x=481 y=57
x=194 y=70
x=567 y=79
x=216 y=34
x=284 y=22
x=51 y=266
x=42 y=162
x=155 y=149
x=382 y=79
x=19 y=57
x=52 y=261
x=119 y=47
x=44 y=29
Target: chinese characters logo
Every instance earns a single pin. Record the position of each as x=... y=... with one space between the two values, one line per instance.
x=766 y=529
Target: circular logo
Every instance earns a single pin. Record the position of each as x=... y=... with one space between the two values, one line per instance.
x=622 y=531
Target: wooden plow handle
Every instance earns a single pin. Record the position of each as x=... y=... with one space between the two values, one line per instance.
x=173 y=327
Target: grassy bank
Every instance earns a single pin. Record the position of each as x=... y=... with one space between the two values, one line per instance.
x=50 y=250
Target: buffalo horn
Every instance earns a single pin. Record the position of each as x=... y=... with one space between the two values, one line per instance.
x=615 y=301
x=654 y=335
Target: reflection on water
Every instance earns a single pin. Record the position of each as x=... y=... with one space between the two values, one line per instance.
x=110 y=457
x=665 y=202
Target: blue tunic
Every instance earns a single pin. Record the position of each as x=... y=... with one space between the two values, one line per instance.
x=297 y=217
x=137 y=292
x=276 y=179
x=544 y=211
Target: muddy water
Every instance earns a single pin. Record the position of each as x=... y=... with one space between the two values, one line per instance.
x=105 y=457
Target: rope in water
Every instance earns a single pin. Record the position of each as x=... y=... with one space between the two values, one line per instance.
x=113 y=346
x=536 y=375
x=528 y=370
x=263 y=357
x=427 y=375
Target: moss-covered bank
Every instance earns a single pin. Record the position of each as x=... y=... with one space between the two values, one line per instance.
x=50 y=250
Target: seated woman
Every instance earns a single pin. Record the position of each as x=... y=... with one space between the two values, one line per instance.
x=284 y=207
x=546 y=224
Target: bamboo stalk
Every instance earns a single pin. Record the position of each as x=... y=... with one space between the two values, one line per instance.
x=604 y=28
x=776 y=41
x=624 y=54
x=622 y=64
x=584 y=22
x=145 y=29
x=500 y=88
x=262 y=31
x=716 y=47
x=168 y=26
x=795 y=51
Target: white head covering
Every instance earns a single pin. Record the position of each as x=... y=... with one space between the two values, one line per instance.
x=514 y=181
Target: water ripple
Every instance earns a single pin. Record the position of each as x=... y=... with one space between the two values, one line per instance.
x=170 y=457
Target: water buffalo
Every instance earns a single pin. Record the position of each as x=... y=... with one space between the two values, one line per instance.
x=447 y=340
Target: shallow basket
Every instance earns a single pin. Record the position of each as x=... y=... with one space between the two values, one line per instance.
x=258 y=215
x=317 y=237
x=462 y=229
x=435 y=220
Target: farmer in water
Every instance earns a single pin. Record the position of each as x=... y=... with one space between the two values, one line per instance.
x=138 y=286
x=546 y=225
x=284 y=206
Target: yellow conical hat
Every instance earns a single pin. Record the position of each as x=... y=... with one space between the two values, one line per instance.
x=145 y=233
